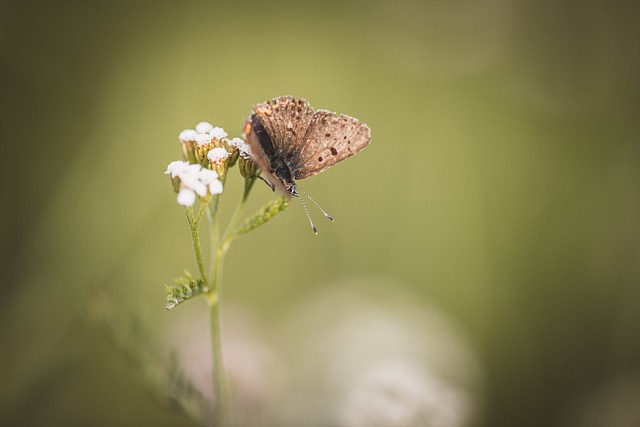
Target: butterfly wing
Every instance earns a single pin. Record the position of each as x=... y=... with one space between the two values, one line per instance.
x=261 y=146
x=329 y=139
x=286 y=120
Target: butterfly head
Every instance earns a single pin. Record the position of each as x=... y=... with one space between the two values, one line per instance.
x=283 y=174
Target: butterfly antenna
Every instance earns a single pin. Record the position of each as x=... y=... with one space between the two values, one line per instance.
x=304 y=205
x=329 y=217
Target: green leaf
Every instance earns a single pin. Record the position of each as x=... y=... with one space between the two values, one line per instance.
x=185 y=288
x=263 y=215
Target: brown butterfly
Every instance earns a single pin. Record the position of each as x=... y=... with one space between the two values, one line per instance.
x=290 y=141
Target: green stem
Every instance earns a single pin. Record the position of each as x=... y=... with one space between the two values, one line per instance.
x=195 y=237
x=213 y=234
x=229 y=234
x=220 y=384
x=221 y=415
x=219 y=247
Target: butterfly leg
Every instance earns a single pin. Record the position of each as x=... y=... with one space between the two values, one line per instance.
x=272 y=186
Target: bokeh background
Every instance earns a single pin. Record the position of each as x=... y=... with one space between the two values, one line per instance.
x=483 y=268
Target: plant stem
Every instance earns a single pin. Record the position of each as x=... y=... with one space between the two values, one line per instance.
x=219 y=247
x=237 y=214
x=214 y=232
x=195 y=237
x=221 y=415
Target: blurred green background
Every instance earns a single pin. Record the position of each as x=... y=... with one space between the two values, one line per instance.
x=500 y=189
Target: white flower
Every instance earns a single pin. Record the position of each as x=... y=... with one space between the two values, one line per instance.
x=203 y=138
x=215 y=187
x=176 y=168
x=188 y=135
x=218 y=133
x=236 y=142
x=204 y=127
x=186 y=197
x=207 y=176
x=243 y=147
x=194 y=169
x=194 y=180
x=217 y=155
x=210 y=179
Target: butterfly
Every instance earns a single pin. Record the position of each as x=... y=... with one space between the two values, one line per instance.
x=290 y=141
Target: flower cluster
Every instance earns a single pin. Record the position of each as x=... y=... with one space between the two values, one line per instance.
x=206 y=145
x=192 y=180
x=208 y=153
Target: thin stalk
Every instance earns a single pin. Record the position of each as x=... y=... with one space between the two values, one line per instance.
x=213 y=234
x=195 y=237
x=220 y=384
x=219 y=247
x=237 y=214
x=221 y=415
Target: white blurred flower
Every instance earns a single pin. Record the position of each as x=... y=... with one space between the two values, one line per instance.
x=207 y=175
x=217 y=155
x=218 y=133
x=204 y=127
x=377 y=358
x=401 y=393
x=176 y=168
x=188 y=135
x=215 y=187
x=186 y=197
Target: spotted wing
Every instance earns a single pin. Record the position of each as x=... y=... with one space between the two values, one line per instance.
x=286 y=120
x=330 y=138
x=261 y=150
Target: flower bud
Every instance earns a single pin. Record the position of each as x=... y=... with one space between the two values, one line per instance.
x=248 y=169
x=188 y=139
x=233 y=158
x=218 y=160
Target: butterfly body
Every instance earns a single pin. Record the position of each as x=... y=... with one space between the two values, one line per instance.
x=291 y=141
